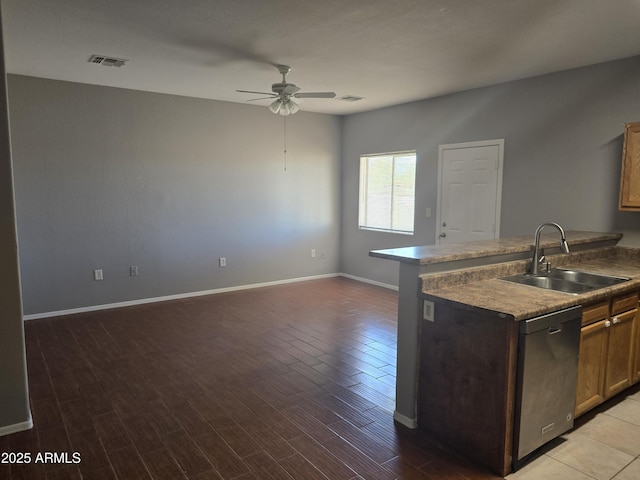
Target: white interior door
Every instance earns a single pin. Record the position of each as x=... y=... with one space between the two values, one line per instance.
x=469 y=191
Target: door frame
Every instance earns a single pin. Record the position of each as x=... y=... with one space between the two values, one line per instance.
x=482 y=143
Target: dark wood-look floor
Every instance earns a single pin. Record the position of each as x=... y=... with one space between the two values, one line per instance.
x=294 y=381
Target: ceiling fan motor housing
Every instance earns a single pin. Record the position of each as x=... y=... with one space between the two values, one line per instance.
x=284 y=88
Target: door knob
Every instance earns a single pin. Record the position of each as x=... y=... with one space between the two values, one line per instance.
x=443 y=234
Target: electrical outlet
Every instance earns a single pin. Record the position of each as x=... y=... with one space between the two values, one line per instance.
x=313 y=253
x=133 y=271
x=427 y=310
x=223 y=261
x=97 y=274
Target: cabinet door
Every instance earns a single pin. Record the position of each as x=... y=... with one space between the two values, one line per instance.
x=619 y=359
x=591 y=366
x=635 y=377
x=630 y=177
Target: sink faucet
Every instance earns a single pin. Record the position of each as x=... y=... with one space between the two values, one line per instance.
x=537 y=258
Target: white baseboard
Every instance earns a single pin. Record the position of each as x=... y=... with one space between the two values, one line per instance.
x=406 y=421
x=371 y=282
x=143 y=301
x=17 y=427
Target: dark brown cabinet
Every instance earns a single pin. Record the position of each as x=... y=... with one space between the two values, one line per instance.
x=467 y=383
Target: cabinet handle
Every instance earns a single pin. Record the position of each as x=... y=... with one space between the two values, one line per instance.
x=607 y=323
x=616 y=320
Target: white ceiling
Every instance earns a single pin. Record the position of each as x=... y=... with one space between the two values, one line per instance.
x=387 y=51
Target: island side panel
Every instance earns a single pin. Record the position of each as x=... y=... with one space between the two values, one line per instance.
x=409 y=307
x=467 y=383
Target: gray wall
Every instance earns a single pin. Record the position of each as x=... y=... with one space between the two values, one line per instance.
x=14 y=401
x=106 y=178
x=563 y=145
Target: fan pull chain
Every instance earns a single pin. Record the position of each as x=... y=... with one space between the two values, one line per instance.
x=285 y=143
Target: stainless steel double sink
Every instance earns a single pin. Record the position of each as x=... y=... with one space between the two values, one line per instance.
x=567 y=281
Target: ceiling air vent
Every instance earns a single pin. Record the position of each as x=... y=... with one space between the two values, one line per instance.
x=350 y=98
x=107 y=61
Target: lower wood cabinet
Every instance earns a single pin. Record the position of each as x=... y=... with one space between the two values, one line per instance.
x=609 y=350
x=619 y=357
x=591 y=366
x=636 y=361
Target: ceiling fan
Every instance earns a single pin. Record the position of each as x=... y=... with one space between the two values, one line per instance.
x=284 y=93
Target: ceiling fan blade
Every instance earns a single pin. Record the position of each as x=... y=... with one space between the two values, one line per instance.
x=257 y=93
x=217 y=52
x=315 y=95
x=263 y=98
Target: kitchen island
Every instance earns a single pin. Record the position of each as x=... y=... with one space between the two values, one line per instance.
x=470 y=367
x=457 y=371
x=415 y=262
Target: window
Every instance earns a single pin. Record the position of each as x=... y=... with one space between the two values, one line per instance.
x=387 y=192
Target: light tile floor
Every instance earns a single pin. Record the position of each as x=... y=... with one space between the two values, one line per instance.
x=604 y=445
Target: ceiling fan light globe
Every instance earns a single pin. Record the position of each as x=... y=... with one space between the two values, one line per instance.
x=293 y=107
x=275 y=107
x=284 y=109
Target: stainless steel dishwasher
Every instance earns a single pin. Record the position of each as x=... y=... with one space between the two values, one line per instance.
x=547 y=378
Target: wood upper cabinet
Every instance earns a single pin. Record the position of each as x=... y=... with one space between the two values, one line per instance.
x=630 y=177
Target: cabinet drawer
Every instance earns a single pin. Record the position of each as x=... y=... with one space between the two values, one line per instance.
x=624 y=302
x=594 y=313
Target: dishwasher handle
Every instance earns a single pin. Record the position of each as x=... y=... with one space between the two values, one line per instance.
x=549 y=320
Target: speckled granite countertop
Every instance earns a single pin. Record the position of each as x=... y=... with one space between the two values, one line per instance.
x=430 y=254
x=481 y=287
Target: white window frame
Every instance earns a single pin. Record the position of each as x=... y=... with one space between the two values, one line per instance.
x=363 y=223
